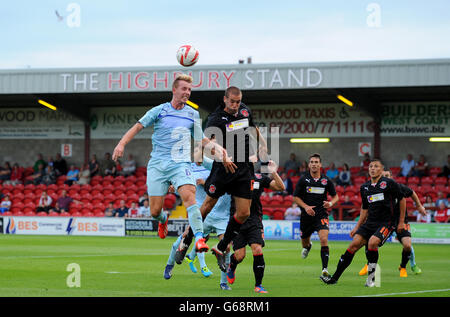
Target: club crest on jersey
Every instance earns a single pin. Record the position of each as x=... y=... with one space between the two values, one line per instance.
x=244 y=112
x=324 y=181
x=258 y=176
x=212 y=189
x=383 y=185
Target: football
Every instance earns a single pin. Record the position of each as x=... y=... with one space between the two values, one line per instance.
x=187 y=55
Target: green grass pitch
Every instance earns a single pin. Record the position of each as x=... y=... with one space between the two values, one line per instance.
x=36 y=266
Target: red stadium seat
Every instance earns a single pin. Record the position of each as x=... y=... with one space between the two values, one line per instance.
x=400 y=180
x=99 y=214
x=42 y=214
x=435 y=171
x=88 y=214
x=65 y=214
x=7 y=213
x=18 y=213
x=30 y=213
x=413 y=180
x=77 y=214
x=441 y=180
x=278 y=214
x=53 y=214
x=426 y=180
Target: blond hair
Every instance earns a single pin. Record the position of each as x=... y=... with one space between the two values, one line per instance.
x=182 y=77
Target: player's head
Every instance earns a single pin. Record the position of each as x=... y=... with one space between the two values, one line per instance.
x=232 y=99
x=387 y=173
x=315 y=163
x=376 y=168
x=181 y=87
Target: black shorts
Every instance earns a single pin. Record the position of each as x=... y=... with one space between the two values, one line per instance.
x=381 y=230
x=238 y=184
x=251 y=232
x=309 y=224
x=403 y=233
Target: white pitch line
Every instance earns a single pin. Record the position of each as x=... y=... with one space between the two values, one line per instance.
x=406 y=293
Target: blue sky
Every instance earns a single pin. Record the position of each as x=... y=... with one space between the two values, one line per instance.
x=148 y=33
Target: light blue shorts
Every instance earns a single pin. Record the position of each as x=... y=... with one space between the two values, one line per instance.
x=161 y=174
x=217 y=225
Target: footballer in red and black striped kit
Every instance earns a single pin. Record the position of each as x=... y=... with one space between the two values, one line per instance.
x=311 y=194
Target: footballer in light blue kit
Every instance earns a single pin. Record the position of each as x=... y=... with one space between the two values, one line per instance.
x=215 y=222
x=174 y=124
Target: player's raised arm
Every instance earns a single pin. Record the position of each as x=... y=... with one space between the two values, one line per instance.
x=128 y=136
x=277 y=183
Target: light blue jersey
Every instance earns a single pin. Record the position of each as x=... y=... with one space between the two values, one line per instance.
x=221 y=211
x=173 y=129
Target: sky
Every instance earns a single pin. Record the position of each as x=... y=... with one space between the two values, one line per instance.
x=133 y=33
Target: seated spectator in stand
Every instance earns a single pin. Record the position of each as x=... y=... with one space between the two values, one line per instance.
x=289 y=188
x=45 y=202
x=407 y=166
x=107 y=166
x=39 y=161
x=60 y=165
x=291 y=164
x=292 y=213
x=56 y=208
x=429 y=206
x=64 y=201
x=144 y=210
x=133 y=211
x=446 y=168
x=37 y=177
x=5 y=172
x=84 y=176
x=442 y=214
x=109 y=211
x=16 y=175
x=50 y=176
x=5 y=205
x=333 y=173
x=345 y=177
x=349 y=207
x=122 y=211
x=440 y=198
x=72 y=175
x=421 y=168
x=94 y=165
x=51 y=162
x=364 y=171
x=302 y=169
x=142 y=198
x=129 y=166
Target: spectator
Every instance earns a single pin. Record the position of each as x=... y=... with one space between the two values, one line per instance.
x=72 y=175
x=107 y=166
x=45 y=202
x=37 y=177
x=109 y=211
x=440 y=198
x=349 y=207
x=39 y=161
x=446 y=168
x=302 y=169
x=64 y=201
x=16 y=175
x=345 y=177
x=427 y=205
x=129 y=166
x=144 y=210
x=291 y=164
x=142 y=198
x=364 y=171
x=93 y=165
x=289 y=188
x=122 y=211
x=421 y=168
x=333 y=173
x=50 y=161
x=56 y=208
x=442 y=214
x=50 y=176
x=292 y=213
x=133 y=211
x=407 y=166
x=5 y=205
x=5 y=172
x=85 y=175
x=60 y=165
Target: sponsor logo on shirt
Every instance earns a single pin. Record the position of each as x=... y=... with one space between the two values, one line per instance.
x=236 y=125
x=315 y=190
x=375 y=197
